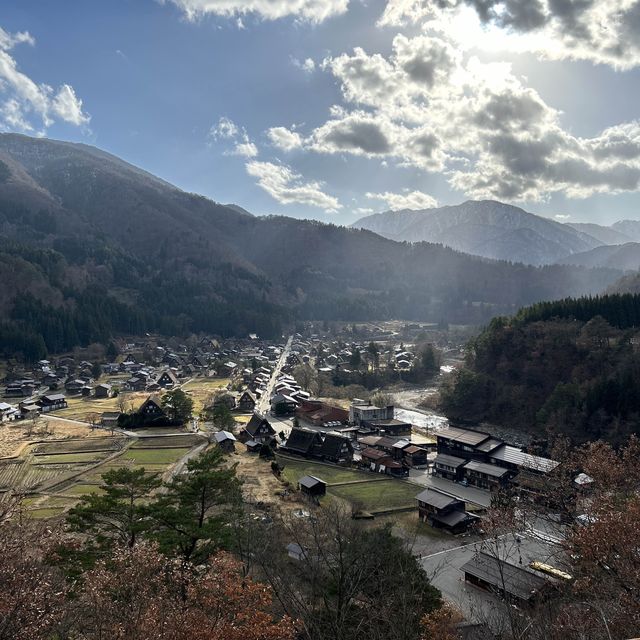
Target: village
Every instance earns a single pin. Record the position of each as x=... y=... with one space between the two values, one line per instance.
x=66 y=421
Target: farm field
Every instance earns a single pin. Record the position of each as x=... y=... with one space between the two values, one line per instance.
x=148 y=456
x=83 y=409
x=295 y=469
x=378 y=496
x=72 y=446
x=172 y=441
x=199 y=390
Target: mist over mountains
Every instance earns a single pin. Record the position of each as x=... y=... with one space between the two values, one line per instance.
x=91 y=246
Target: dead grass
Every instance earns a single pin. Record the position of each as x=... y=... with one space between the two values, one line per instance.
x=199 y=390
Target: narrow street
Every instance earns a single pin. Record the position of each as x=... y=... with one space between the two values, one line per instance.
x=262 y=407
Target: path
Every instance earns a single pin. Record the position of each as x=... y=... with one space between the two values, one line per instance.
x=262 y=407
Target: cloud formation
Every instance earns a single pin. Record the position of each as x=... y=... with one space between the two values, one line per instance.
x=27 y=106
x=226 y=129
x=409 y=200
x=288 y=187
x=601 y=31
x=428 y=105
x=308 y=10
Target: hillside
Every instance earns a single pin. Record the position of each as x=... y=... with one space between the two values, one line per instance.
x=606 y=235
x=625 y=257
x=91 y=246
x=484 y=228
x=630 y=228
x=569 y=367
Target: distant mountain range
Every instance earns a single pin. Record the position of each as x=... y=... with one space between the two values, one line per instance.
x=625 y=257
x=499 y=231
x=91 y=246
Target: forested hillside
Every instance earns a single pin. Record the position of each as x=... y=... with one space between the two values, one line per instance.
x=91 y=246
x=570 y=367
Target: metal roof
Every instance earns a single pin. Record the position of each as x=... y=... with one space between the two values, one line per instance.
x=516 y=456
x=450 y=461
x=488 y=469
x=221 y=436
x=464 y=436
x=435 y=499
x=489 y=445
x=310 y=481
x=515 y=581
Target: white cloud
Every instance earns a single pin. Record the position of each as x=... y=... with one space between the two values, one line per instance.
x=431 y=106
x=288 y=187
x=601 y=31
x=284 y=138
x=308 y=10
x=227 y=130
x=409 y=200
x=307 y=65
x=562 y=216
x=27 y=106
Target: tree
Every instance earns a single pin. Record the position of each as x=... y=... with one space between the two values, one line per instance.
x=191 y=516
x=353 y=582
x=222 y=418
x=112 y=350
x=96 y=370
x=142 y=595
x=177 y=405
x=381 y=399
x=356 y=359
x=307 y=377
x=119 y=514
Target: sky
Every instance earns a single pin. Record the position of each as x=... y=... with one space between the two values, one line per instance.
x=335 y=109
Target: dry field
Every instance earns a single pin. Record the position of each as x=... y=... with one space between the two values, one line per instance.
x=199 y=389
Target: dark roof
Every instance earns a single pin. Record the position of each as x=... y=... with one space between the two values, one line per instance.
x=489 y=445
x=54 y=397
x=255 y=423
x=332 y=445
x=463 y=436
x=453 y=518
x=515 y=581
x=488 y=469
x=411 y=449
x=309 y=482
x=450 y=461
x=374 y=454
x=436 y=499
x=302 y=440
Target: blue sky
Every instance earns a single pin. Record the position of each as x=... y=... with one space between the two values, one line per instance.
x=334 y=109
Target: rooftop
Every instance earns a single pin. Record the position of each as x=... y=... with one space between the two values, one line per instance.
x=436 y=499
x=463 y=436
x=514 y=455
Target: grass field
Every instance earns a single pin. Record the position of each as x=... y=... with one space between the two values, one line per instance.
x=154 y=456
x=81 y=489
x=178 y=442
x=295 y=469
x=199 y=389
x=80 y=445
x=70 y=458
x=377 y=496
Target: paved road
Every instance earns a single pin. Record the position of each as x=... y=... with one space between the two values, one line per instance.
x=262 y=407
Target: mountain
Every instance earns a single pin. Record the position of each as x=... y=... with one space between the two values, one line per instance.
x=91 y=246
x=484 y=228
x=625 y=257
x=630 y=228
x=606 y=235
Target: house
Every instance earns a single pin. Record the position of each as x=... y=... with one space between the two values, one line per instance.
x=109 y=419
x=443 y=511
x=485 y=476
x=20 y=389
x=336 y=448
x=151 y=409
x=8 y=412
x=390 y=427
x=360 y=411
x=415 y=456
x=246 y=402
x=463 y=443
x=509 y=581
x=29 y=410
x=258 y=429
x=304 y=442
x=283 y=405
x=319 y=413
x=167 y=379
x=136 y=383
x=52 y=402
x=514 y=458
x=382 y=462
x=253 y=446
x=312 y=486
x=226 y=441
x=449 y=467
x=227 y=369
x=103 y=391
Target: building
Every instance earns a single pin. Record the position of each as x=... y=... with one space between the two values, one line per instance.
x=226 y=441
x=304 y=442
x=151 y=409
x=167 y=379
x=485 y=476
x=109 y=419
x=258 y=429
x=449 y=467
x=509 y=581
x=336 y=448
x=391 y=427
x=103 y=391
x=283 y=405
x=464 y=443
x=52 y=402
x=442 y=511
x=382 y=462
x=246 y=402
x=360 y=411
x=415 y=456
x=8 y=412
x=320 y=414
x=312 y=486
x=514 y=458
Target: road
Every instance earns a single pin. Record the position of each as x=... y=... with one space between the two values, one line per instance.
x=263 y=405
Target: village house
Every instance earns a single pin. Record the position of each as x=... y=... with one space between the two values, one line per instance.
x=381 y=462
x=109 y=419
x=167 y=379
x=282 y=405
x=449 y=467
x=415 y=456
x=336 y=448
x=393 y=427
x=485 y=476
x=360 y=411
x=151 y=408
x=52 y=402
x=304 y=442
x=8 y=413
x=312 y=487
x=320 y=414
x=226 y=441
x=258 y=430
x=246 y=402
x=103 y=391
x=74 y=387
x=442 y=511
